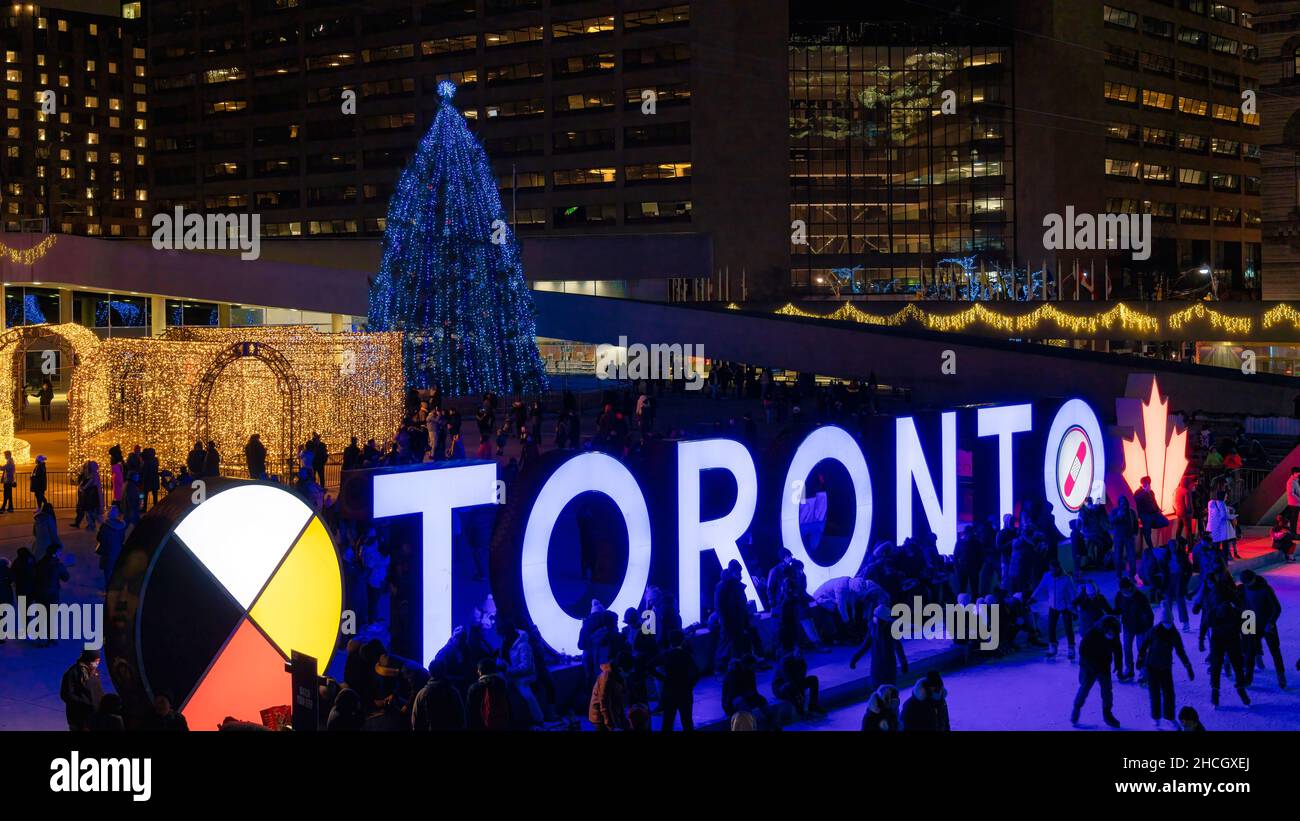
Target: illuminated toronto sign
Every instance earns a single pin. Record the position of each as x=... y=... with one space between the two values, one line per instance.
x=677 y=524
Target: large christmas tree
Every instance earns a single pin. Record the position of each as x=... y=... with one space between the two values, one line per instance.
x=451 y=277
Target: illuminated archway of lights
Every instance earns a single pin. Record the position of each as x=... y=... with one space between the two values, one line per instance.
x=144 y=391
x=13 y=342
x=28 y=256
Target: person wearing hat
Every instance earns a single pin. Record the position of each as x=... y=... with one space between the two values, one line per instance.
x=926 y=710
x=1099 y=647
x=38 y=481
x=882 y=711
x=607 y=709
x=488 y=704
x=1136 y=617
x=1259 y=598
x=1225 y=640
x=677 y=673
x=885 y=648
x=110 y=538
x=732 y=609
x=81 y=690
x=438 y=707
x=388 y=712
x=1091 y=605
x=597 y=639
x=1157 y=658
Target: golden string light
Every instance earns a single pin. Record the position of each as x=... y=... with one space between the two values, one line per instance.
x=1120 y=315
x=1279 y=314
x=28 y=256
x=1234 y=325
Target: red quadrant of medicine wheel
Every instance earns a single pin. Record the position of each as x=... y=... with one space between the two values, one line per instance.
x=247 y=677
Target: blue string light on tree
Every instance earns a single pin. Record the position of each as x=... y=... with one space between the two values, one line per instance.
x=451 y=277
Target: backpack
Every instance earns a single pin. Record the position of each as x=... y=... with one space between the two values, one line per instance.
x=495 y=709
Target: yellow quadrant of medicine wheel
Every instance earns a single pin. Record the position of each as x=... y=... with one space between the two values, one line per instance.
x=301 y=607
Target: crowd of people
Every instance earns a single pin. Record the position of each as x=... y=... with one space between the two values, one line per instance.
x=497 y=674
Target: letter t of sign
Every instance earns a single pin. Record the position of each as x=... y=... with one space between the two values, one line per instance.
x=434 y=494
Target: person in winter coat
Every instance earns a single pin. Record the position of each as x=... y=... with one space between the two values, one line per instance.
x=150 y=481
x=487 y=707
x=45 y=530
x=927 y=709
x=1177 y=571
x=39 y=481
x=522 y=672
x=1136 y=618
x=884 y=647
x=438 y=707
x=8 y=478
x=1221 y=522
x=1157 y=659
x=211 y=460
x=1210 y=566
x=1259 y=598
x=1022 y=562
x=255 y=457
x=677 y=673
x=1123 y=529
x=1058 y=592
x=882 y=711
x=81 y=690
x=733 y=615
x=792 y=684
x=1005 y=540
x=1283 y=538
x=1183 y=509
x=1152 y=570
x=1091 y=605
x=597 y=639
x=967 y=560
x=1148 y=510
x=130 y=501
x=1099 y=648
x=111 y=537
x=195 y=459
x=607 y=709
x=1225 y=641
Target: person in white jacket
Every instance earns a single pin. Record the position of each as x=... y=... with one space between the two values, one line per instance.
x=1220 y=519
x=1292 y=499
x=1058 y=592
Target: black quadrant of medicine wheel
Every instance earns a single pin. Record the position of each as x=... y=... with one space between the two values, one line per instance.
x=186 y=618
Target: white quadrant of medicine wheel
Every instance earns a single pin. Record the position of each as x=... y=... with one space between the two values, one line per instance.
x=241 y=534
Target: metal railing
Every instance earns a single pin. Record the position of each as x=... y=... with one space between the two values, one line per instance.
x=60 y=489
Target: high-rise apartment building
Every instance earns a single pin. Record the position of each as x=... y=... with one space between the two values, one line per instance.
x=76 y=114
x=612 y=118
